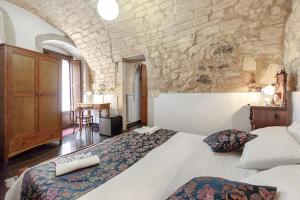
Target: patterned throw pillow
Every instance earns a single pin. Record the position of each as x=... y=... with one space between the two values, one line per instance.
x=211 y=188
x=228 y=140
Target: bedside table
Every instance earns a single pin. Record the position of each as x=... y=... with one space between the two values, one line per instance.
x=264 y=116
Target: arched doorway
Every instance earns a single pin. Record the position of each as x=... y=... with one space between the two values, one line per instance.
x=136 y=91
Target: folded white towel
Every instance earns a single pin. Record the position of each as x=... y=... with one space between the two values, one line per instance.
x=147 y=130
x=142 y=130
x=153 y=130
x=76 y=164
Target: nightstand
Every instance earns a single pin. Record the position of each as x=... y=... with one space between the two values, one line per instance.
x=264 y=116
x=279 y=112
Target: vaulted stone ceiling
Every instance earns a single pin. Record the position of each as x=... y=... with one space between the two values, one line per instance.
x=191 y=45
x=80 y=21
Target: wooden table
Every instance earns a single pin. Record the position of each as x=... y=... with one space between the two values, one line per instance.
x=97 y=106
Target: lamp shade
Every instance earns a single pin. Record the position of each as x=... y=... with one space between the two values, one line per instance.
x=269 y=90
x=268 y=77
x=108 y=9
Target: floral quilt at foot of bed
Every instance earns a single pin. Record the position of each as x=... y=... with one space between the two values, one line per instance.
x=116 y=155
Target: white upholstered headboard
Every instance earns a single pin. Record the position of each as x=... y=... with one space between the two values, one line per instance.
x=296 y=105
x=206 y=113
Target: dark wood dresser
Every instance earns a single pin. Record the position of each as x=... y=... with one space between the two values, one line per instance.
x=279 y=112
x=30 y=100
x=264 y=116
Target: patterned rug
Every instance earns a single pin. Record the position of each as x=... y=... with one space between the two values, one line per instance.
x=69 y=131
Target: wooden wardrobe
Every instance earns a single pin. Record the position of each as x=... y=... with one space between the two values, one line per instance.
x=30 y=100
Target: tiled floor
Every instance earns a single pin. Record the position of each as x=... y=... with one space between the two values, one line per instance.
x=43 y=153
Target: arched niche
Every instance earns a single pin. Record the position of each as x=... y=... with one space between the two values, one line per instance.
x=7 y=30
x=54 y=40
x=62 y=44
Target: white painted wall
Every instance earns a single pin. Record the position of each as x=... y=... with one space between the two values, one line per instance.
x=1 y=29
x=207 y=113
x=27 y=25
x=204 y=113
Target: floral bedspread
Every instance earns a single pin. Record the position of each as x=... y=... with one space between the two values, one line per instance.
x=116 y=155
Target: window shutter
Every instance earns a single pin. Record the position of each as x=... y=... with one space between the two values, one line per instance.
x=75 y=82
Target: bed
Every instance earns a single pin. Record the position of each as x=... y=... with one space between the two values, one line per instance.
x=158 y=165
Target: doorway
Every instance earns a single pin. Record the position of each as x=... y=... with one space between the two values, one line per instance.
x=136 y=95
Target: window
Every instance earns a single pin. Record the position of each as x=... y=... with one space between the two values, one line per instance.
x=71 y=80
x=66 y=86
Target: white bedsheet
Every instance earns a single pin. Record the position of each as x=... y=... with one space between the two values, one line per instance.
x=285 y=178
x=167 y=167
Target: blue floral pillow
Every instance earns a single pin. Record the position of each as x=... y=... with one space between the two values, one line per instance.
x=211 y=188
x=228 y=140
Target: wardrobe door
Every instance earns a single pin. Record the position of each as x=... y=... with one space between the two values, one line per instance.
x=49 y=98
x=22 y=98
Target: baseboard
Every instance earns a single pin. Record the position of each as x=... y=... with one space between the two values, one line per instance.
x=133 y=124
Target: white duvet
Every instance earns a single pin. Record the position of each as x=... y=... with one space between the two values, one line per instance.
x=169 y=166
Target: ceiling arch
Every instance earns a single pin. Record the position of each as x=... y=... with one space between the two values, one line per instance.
x=73 y=17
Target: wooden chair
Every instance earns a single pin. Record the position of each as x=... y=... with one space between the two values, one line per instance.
x=82 y=118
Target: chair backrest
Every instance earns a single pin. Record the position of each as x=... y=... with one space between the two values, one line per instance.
x=80 y=111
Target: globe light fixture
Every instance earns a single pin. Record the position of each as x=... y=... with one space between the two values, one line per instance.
x=108 y=9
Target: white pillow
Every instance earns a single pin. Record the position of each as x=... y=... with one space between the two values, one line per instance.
x=294 y=130
x=285 y=178
x=274 y=146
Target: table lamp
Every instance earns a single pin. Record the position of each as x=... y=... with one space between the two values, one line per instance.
x=268 y=92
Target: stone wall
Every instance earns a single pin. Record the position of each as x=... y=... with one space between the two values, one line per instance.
x=292 y=44
x=190 y=45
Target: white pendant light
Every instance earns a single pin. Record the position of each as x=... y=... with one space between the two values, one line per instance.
x=108 y=9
